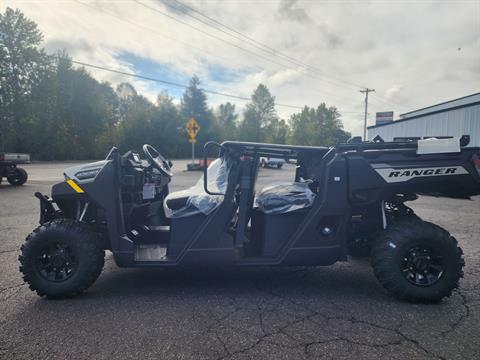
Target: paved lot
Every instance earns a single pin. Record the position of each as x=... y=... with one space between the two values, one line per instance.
x=337 y=312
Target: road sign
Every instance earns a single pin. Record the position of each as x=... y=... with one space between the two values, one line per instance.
x=192 y=128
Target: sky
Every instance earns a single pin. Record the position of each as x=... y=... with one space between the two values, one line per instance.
x=413 y=53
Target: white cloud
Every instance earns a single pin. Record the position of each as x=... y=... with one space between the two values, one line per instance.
x=408 y=51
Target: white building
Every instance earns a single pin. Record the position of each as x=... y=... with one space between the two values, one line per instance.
x=452 y=118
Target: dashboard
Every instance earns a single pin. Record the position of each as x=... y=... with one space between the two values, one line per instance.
x=139 y=174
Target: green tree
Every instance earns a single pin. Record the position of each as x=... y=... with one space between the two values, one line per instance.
x=69 y=114
x=259 y=114
x=194 y=104
x=277 y=131
x=125 y=93
x=317 y=127
x=167 y=128
x=22 y=67
x=135 y=127
x=227 y=120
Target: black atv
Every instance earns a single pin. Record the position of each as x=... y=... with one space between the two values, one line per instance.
x=341 y=197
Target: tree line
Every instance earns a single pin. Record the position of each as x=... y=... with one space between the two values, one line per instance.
x=55 y=111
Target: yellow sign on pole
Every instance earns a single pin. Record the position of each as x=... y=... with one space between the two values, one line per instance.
x=192 y=128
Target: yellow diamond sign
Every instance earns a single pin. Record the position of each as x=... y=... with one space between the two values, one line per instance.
x=192 y=128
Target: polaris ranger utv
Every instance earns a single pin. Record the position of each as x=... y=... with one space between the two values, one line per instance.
x=341 y=197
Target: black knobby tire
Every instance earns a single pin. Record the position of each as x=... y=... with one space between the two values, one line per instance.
x=279 y=166
x=18 y=178
x=435 y=252
x=83 y=265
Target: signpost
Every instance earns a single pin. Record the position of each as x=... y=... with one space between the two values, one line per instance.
x=192 y=129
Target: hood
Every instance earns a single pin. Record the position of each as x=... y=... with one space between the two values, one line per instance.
x=85 y=172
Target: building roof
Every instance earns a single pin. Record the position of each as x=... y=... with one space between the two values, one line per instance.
x=465 y=101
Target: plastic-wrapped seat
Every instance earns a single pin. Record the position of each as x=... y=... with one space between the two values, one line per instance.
x=284 y=198
x=195 y=200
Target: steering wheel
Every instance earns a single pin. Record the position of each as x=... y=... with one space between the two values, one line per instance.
x=157 y=160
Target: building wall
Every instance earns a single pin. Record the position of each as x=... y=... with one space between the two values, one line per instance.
x=458 y=122
x=444 y=106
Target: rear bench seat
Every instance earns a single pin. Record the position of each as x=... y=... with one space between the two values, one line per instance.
x=284 y=198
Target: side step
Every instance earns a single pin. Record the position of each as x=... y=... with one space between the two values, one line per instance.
x=151 y=252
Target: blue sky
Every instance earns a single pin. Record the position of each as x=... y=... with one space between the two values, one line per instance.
x=153 y=68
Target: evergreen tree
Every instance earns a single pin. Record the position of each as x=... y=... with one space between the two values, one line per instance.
x=259 y=114
x=194 y=105
x=227 y=118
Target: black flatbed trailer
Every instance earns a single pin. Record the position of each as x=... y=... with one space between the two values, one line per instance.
x=344 y=200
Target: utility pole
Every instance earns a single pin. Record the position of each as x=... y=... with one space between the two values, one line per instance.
x=366 y=91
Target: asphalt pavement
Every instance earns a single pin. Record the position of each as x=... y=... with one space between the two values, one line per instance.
x=336 y=312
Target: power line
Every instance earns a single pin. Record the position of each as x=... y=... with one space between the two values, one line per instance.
x=189 y=46
x=385 y=101
x=171 y=83
x=302 y=66
x=253 y=42
x=187 y=10
x=323 y=92
x=166 y=82
x=208 y=34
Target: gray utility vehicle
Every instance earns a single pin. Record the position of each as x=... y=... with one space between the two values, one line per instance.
x=8 y=168
x=342 y=198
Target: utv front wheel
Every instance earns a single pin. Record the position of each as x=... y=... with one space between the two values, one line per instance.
x=19 y=177
x=61 y=259
x=417 y=261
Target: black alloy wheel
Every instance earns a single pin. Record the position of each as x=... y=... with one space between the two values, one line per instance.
x=56 y=262
x=422 y=266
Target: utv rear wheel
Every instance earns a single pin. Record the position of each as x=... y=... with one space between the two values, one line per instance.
x=417 y=261
x=19 y=177
x=61 y=259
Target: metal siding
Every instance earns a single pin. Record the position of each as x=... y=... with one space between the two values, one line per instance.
x=450 y=104
x=463 y=121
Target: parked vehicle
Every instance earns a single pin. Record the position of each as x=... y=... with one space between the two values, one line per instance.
x=272 y=162
x=9 y=170
x=339 y=195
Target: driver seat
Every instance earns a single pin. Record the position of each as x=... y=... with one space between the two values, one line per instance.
x=195 y=200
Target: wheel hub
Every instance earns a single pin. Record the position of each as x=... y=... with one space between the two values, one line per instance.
x=421 y=263
x=422 y=266
x=56 y=262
